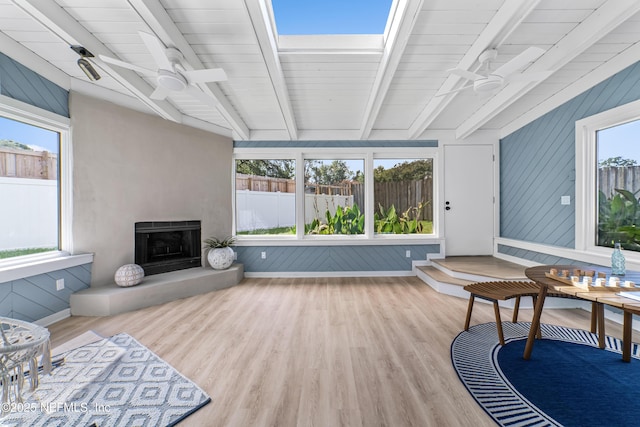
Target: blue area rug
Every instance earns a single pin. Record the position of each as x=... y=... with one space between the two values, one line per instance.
x=568 y=381
x=113 y=382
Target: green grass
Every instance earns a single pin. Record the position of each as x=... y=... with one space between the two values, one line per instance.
x=20 y=252
x=276 y=230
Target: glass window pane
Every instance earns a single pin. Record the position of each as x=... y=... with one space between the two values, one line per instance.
x=28 y=189
x=265 y=197
x=334 y=196
x=403 y=196
x=618 y=153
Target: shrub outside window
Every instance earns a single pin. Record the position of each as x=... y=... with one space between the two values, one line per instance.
x=403 y=196
x=618 y=177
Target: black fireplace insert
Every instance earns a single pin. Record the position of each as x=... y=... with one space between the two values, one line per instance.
x=163 y=246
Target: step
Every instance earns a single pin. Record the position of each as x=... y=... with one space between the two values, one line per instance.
x=480 y=268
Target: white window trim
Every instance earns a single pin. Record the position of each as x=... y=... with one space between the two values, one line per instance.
x=586 y=177
x=29 y=265
x=333 y=153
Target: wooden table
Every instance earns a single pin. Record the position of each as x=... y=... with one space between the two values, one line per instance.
x=598 y=300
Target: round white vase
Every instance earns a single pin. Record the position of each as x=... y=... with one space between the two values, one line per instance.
x=129 y=275
x=220 y=258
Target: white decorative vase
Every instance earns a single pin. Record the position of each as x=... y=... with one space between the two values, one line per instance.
x=220 y=258
x=129 y=275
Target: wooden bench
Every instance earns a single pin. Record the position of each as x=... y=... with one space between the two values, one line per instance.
x=500 y=291
x=505 y=290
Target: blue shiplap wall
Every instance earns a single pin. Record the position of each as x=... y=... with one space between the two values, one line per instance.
x=34 y=298
x=19 y=82
x=537 y=164
x=343 y=258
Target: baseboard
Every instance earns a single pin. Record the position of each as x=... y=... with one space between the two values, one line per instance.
x=314 y=274
x=55 y=317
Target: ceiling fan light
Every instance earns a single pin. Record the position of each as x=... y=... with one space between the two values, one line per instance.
x=171 y=81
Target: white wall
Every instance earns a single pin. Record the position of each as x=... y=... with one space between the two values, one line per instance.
x=130 y=167
x=29 y=214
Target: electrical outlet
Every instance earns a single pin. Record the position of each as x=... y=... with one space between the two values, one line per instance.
x=408 y=254
x=263 y=255
x=565 y=200
x=59 y=284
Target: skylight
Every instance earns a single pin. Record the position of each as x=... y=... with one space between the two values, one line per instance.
x=324 y=17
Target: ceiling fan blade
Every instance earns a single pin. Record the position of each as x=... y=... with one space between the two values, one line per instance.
x=453 y=91
x=196 y=93
x=127 y=65
x=157 y=50
x=204 y=76
x=159 y=94
x=465 y=74
x=517 y=63
x=529 y=77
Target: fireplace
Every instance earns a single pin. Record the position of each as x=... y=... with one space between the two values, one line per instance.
x=164 y=246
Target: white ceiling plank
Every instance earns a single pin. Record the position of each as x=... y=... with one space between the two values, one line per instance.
x=588 y=32
x=399 y=34
x=261 y=18
x=504 y=22
x=154 y=14
x=63 y=25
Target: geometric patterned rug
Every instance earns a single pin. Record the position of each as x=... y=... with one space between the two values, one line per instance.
x=113 y=382
x=474 y=355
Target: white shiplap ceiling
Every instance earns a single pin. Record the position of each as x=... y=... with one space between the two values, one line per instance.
x=331 y=87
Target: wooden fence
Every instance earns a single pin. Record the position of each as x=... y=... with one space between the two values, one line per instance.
x=28 y=164
x=403 y=194
x=624 y=177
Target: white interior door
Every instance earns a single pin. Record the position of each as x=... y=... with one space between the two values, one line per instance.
x=469 y=199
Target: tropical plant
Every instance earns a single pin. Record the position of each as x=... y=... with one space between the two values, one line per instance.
x=215 y=243
x=347 y=220
x=618 y=217
x=388 y=221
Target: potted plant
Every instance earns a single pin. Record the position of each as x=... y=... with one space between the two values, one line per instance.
x=220 y=255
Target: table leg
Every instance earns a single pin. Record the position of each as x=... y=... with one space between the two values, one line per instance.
x=594 y=318
x=600 y=322
x=626 y=336
x=535 y=322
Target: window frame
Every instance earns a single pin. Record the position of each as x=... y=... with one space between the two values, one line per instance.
x=300 y=154
x=586 y=199
x=29 y=114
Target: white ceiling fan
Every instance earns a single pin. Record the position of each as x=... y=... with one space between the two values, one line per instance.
x=171 y=75
x=492 y=80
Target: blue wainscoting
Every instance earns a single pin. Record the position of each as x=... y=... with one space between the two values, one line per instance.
x=19 y=82
x=537 y=164
x=343 y=258
x=34 y=298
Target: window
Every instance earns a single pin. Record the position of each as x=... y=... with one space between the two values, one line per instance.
x=618 y=154
x=29 y=187
x=265 y=196
x=295 y=17
x=606 y=197
x=334 y=196
x=328 y=193
x=403 y=196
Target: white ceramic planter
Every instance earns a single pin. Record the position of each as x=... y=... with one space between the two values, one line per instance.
x=220 y=258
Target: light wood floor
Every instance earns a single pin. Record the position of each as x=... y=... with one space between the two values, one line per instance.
x=317 y=352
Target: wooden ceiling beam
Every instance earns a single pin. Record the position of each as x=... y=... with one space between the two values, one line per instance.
x=402 y=24
x=261 y=18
